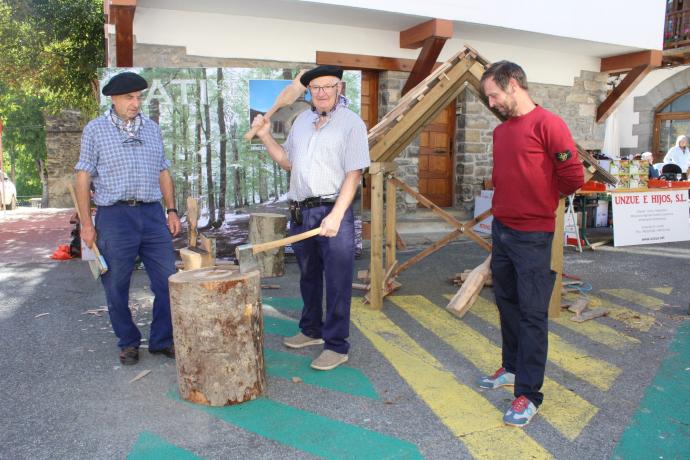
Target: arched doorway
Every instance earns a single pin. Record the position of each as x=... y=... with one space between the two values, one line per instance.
x=672 y=119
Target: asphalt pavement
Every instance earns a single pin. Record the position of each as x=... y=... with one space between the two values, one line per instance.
x=407 y=391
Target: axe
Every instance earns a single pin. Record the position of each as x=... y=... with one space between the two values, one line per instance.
x=246 y=252
x=99 y=266
x=287 y=96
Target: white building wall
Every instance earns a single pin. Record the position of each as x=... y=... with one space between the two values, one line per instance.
x=242 y=37
x=637 y=23
x=627 y=117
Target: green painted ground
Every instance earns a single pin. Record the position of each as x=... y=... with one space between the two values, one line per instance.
x=661 y=426
x=151 y=447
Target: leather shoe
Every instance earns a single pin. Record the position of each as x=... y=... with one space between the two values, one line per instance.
x=167 y=351
x=129 y=356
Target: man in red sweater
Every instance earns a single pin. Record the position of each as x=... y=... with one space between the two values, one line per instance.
x=535 y=162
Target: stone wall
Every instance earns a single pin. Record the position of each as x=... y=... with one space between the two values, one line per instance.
x=63 y=139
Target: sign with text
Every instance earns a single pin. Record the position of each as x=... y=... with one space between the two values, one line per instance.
x=650 y=217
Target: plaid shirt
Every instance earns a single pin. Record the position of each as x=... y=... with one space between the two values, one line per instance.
x=123 y=167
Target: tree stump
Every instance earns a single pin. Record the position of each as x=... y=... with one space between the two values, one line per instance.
x=218 y=332
x=265 y=227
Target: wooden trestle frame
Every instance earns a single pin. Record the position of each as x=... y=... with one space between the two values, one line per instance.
x=392 y=134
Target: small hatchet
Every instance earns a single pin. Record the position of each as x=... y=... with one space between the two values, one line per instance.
x=246 y=252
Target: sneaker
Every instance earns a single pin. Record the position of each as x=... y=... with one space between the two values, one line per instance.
x=129 y=356
x=520 y=413
x=300 y=341
x=327 y=360
x=501 y=378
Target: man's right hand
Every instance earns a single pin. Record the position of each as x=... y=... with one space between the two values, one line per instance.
x=263 y=124
x=88 y=234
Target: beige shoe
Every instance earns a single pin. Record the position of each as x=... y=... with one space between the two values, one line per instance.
x=300 y=341
x=327 y=360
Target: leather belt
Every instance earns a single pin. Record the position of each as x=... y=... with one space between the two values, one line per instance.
x=131 y=202
x=314 y=202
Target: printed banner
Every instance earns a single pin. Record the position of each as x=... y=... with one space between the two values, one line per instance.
x=650 y=217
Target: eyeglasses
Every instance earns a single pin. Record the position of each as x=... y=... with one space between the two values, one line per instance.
x=325 y=88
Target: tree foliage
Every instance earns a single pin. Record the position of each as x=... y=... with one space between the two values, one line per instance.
x=50 y=51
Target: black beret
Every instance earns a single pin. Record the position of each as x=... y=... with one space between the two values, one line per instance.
x=124 y=83
x=321 y=71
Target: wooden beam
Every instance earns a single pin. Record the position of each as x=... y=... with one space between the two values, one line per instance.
x=557 y=261
x=416 y=36
x=425 y=62
x=376 y=265
x=625 y=62
x=614 y=99
x=123 y=18
x=364 y=61
x=391 y=237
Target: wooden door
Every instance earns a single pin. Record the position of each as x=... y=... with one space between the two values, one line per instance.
x=436 y=158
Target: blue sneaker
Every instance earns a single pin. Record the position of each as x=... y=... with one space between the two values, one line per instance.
x=501 y=378
x=520 y=413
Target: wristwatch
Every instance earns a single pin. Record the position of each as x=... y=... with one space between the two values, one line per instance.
x=169 y=210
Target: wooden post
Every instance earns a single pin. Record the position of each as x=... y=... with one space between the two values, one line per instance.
x=265 y=227
x=218 y=332
x=391 y=236
x=557 y=261
x=376 y=267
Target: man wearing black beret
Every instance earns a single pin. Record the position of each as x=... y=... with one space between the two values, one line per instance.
x=122 y=153
x=325 y=152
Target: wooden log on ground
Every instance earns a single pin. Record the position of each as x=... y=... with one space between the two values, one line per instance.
x=265 y=227
x=468 y=293
x=218 y=332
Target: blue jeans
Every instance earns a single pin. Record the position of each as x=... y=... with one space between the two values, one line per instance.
x=523 y=281
x=123 y=233
x=333 y=259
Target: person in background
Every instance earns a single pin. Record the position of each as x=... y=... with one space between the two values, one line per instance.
x=122 y=152
x=535 y=163
x=653 y=173
x=325 y=152
x=679 y=154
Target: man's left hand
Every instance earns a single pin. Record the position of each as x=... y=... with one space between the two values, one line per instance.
x=330 y=225
x=174 y=224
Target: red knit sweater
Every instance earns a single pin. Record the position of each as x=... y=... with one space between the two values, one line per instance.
x=534 y=159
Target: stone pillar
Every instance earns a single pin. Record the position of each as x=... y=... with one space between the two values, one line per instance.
x=63 y=139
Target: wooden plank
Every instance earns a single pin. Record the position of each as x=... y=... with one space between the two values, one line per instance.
x=557 y=261
x=425 y=62
x=427 y=251
x=615 y=98
x=625 y=62
x=415 y=36
x=376 y=264
x=363 y=61
x=391 y=235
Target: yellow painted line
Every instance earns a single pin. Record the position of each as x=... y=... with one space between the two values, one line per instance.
x=636 y=297
x=631 y=318
x=568 y=357
x=466 y=413
x=663 y=290
x=594 y=330
x=563 y=409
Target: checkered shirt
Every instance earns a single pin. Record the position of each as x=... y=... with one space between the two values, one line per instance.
x=123 y=167
x=321 y=158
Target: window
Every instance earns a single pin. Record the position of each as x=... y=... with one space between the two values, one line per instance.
x=671 y=120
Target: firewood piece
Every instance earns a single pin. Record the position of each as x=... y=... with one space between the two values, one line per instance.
x=578 y=306
x=462 y=301
x=264 y=227
x=140 y=375
x=363 y=275
x=192 y=219
x=589 y=314
x=218 y=333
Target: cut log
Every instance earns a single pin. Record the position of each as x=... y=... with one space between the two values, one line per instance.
x=467 y=294
x=205 y=256
x=218 y=332
x=192 y=219
x=265 y=227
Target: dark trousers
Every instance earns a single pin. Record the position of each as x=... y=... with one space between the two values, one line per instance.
x=523 y=281
x=123 y=232
x=331 y=259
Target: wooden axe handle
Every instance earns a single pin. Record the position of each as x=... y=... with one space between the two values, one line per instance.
x=284 y=241
x=249 y=135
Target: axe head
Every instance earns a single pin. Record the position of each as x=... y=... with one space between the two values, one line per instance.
x=246 y=258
